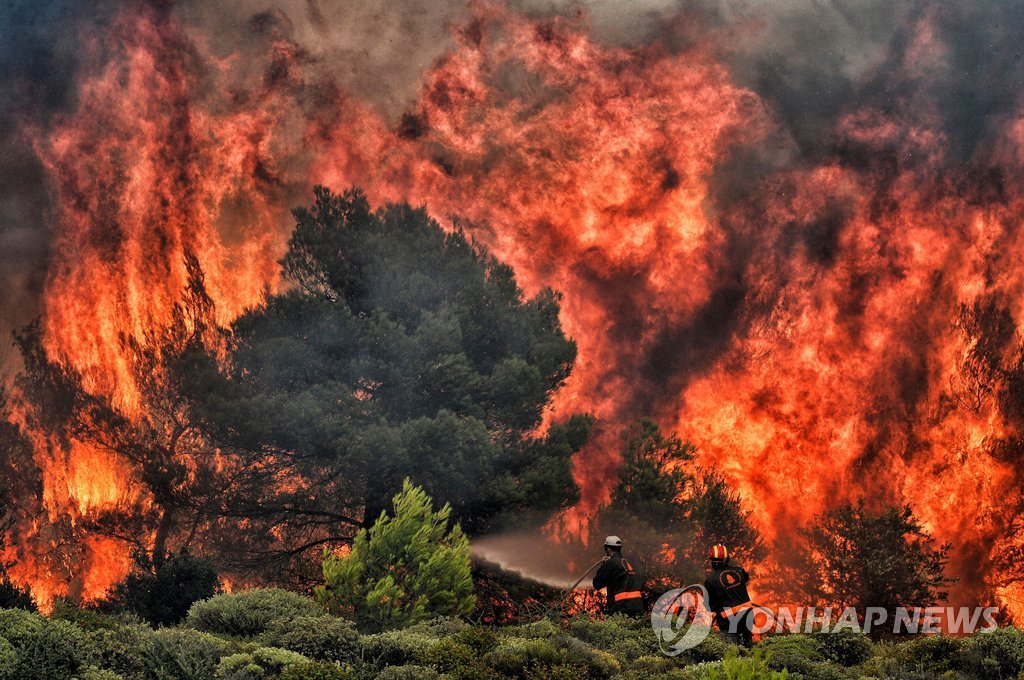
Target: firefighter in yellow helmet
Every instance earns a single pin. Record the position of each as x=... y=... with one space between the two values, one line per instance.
x=728 y=598
x=617 y=575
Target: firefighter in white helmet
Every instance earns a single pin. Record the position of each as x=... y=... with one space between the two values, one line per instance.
x=621 y=582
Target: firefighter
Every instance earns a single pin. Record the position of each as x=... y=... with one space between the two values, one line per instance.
x=728 y=598
x=617 y=575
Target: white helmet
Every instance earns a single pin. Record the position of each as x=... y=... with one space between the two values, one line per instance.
x=613 y=542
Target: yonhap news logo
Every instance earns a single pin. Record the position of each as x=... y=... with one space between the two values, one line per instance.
x=679 y=619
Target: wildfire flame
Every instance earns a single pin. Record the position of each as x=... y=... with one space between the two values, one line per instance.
x=801 y=332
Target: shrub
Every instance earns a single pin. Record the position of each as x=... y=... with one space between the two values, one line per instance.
x=8 y=659
x=13 y=596
x=249 y=613
x=410 y=672
x=480 y=639
x=447 y=655
x=622 y=640
x=753 y=667
x=523 y=657
x=712 y=648
x=316 y=670
x=441 y=626
x=86 y=619
x=545 y=629
x=93 y=673
x=700 y=671
x=324 y=637
x=44 y=649
x=260 y=663
x=404 y=570
x=996 y=655
x=395 y=648
x=797 y=652
x=846 y=648
x=185 y=654
x=935 y=654
x=127 y=650
x=162 y=592
x=652 y=666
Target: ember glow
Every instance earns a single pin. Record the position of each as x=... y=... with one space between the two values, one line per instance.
x=796 y=313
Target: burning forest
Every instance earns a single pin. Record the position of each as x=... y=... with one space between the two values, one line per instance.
x=745 y=259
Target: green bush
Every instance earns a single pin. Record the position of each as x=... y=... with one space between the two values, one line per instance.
x=262 y=662
x=13 y=596
x=846 y=648
x=995 y=655
x=395 y=647
x=323 y=638
x=652 y=666
x=619 y=638
x=127 y=650
x=524 y=657
x=924 y=654
x=408 y=672
x=798 y=653
x=94 y=673
x=700 y=671
x=734 y=667
x=406 y=569
x=250 y=612
x=162 y=591
x=442 y=626
x=545 y=629
x=316 y=670
x=447 y=655
x=185 y=654
x=480 y=639
x=8 y=659
x=44 y=649
x=86 y=619
x=712 y=648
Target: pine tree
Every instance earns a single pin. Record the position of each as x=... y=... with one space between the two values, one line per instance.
x=407 y=568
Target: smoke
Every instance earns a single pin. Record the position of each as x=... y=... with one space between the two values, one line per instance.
x=805 y=59
x=763 y=214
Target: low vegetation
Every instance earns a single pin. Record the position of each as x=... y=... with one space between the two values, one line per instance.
x=290 y=637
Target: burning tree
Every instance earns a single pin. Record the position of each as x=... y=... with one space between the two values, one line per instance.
x=670 y=512
x=855 y=557
x=179 y=474
x=401 y=351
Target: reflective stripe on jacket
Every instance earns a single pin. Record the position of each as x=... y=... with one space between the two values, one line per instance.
x=619 y=578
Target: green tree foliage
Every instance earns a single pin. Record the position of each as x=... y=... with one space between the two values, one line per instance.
x=855 y=557
x=400 y=350
x=13 y=596
x=407 y=568
x=669 y=513
x=162 y=591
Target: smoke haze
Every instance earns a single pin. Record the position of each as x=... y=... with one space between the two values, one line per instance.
x=765 y=217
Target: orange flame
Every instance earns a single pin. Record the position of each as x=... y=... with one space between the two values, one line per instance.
x=801 y=335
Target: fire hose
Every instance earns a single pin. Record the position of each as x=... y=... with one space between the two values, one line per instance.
x=684 y=591
x=573 y=587
x=695 y=589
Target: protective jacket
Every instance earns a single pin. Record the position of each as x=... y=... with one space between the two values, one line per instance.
x=727 y=589
x=617 y=575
